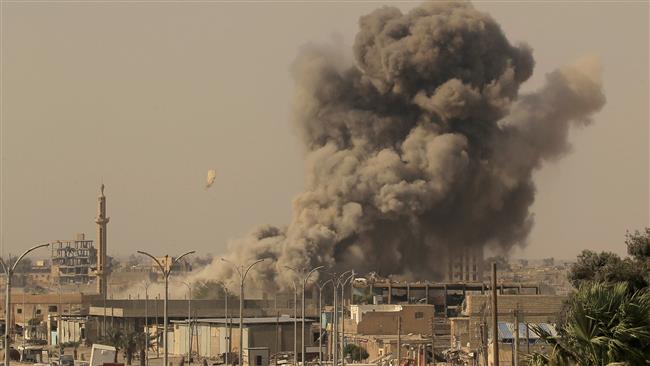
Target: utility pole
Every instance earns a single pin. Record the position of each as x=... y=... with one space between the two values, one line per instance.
x=516 y=350
x=399 y=340
x=495 y=324
x=484 y=342
x=433 y=343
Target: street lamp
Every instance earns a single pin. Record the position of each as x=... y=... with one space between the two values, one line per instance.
x=320 y=319
x=146 y=322
x=242 y=278
x=225 y=311
x=189 y=322
x=304 y=284
x=165 y=272
x=343 y=317
x=295 y=323
x=9 y=271
x=336 y=281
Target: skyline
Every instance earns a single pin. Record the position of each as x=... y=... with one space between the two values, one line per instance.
x=157 y=196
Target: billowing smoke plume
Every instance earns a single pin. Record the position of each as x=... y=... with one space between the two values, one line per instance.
x=422 y=146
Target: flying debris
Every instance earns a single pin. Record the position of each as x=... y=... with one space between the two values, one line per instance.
x=210 y=179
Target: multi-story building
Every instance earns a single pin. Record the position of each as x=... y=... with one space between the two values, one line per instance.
x=465 y=264
x=72 y=260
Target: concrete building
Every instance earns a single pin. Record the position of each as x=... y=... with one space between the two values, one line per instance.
x=73 y=260
x=471 y=331
x=447 y=297
x=465 y=264
x=375 y=328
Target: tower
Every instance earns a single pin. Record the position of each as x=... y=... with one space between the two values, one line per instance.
x=102 y=221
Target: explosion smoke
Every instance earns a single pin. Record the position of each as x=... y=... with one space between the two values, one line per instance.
x=422 y=146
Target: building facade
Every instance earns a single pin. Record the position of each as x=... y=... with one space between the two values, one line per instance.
x=73 y=260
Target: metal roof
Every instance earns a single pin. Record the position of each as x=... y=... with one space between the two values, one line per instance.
x=260 y=320
x=506 y=330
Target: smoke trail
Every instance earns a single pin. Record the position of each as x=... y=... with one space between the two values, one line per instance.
x=423 y=145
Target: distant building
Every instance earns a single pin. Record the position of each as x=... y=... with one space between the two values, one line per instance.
x=465 y=264
x=72 y=260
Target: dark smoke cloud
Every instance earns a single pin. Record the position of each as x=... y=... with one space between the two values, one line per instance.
x=423 y=146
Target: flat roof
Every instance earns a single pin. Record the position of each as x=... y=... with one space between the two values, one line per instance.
x=260 y=320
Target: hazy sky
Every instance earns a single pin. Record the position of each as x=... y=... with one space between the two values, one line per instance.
x=147 y=97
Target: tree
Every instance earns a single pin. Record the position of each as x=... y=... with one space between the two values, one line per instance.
x=605 y=324
x=638 y=244
x=114 y=337
x=604 y=267
x=133 y=342
x=355 y=352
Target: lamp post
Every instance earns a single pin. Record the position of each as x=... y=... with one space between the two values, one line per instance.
x=304 y=284
x=320 y=319
x=146 y=322
x=166 y=270
x=225 y=311
x=336 y=282
x=189 y=322
x=295 y=324
x=242 y=278
x=343 y=317
x=9 y=271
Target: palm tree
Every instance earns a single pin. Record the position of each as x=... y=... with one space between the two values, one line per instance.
x=134 y=342
x=114 y=337
x=605 y=325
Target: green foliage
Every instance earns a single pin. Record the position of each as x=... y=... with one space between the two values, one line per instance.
x=363 y=298
x=606 y=324
x=207 y=290
x=355 y=352
x=113 y=338
x=606 y=267
x=131 y=342
x=638 y=244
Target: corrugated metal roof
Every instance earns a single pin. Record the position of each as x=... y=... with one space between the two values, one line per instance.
x=506 y=330
x=235 y=321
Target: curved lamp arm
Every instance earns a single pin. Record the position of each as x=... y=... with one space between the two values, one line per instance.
x=251 y=266
x=25 y=253
x=181 y=257
x=322 y=285
x=4 y=266
x=338 y=280
x=304 y=281
x=162 y=269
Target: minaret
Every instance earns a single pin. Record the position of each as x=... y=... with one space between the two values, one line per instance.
x=101 y=220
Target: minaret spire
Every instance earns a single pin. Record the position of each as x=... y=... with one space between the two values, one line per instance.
x=102 y=221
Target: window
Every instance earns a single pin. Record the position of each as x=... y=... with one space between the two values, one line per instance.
x=258 y=360
x=38 y=311
x=52 y=309
x=19 y=311
x=419 y=315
